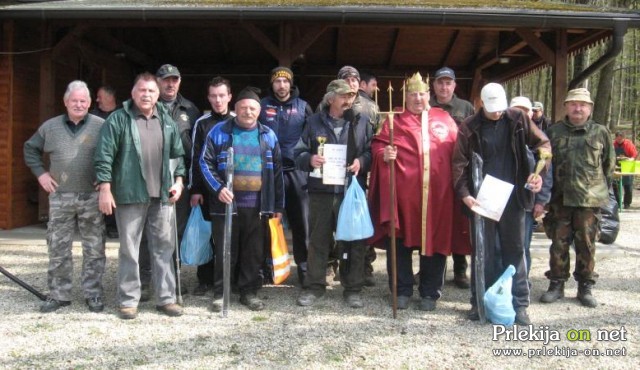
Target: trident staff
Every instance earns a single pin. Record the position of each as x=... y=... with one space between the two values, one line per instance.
x=392 y=197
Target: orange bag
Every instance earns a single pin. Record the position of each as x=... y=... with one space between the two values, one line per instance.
x=279 y=252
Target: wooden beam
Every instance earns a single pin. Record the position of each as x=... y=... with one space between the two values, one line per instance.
x=263 y=39
x=391 y=61
x=559 y=76
x=130 y=52
x=537 y=45
x=446 y=58
x=7 y=36
x=306 y=41
x=68 y=40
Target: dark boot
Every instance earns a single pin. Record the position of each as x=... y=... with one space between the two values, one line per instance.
x=555 y=292
x=584 y=294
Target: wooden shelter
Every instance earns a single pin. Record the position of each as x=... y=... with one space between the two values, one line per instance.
x=45 y=45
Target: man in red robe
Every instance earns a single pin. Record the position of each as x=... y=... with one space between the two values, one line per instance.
x=428 y=216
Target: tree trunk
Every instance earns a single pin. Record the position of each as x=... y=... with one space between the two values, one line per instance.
x=603 y=97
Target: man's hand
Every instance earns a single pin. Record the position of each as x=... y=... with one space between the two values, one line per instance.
x=317 y=161
x=534 y=183
x=225 y=196
x=196 y=199
x=278 y=215
x=470 y=201
x=355 y=167
x=176 y=190
x=47 y=182
x=538 y=211
x=390 y=153
x=106 y=203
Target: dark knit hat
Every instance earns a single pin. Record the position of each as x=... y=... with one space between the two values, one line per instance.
x=348 y=71
x=282 y=72
x=249 y=92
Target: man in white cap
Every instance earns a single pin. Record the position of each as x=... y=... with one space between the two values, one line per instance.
x=542 y=197
x=583 y=163
x=500 y=135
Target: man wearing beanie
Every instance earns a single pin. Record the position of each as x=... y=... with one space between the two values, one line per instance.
x=257 y=193
x=285 y=113
x=583 y=163
x=336 y=123
x=500 y=136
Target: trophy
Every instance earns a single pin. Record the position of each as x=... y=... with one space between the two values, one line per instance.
x=544 y=156
x=317 y=172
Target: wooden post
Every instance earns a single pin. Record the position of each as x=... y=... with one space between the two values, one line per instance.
x=559 y=78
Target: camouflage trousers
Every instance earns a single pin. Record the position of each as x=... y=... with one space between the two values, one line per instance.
x=64 y=210
x=572 y=225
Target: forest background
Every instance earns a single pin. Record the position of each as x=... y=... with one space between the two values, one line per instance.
x=615 y=89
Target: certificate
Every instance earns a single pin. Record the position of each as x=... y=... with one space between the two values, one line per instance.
x=492 y=198
x=334 y=169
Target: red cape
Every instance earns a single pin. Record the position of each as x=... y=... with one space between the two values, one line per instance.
x=445 y=225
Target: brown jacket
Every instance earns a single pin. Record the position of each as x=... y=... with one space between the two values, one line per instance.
x=524 y=134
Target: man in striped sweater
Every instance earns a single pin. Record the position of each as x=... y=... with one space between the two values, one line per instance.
x=70 y=141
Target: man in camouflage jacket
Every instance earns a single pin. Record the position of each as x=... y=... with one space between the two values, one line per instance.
x=583 y=163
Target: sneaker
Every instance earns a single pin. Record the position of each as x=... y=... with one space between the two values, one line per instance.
x=354 y=300
x=202 y=289
x=128 y=313
x=427 y=304
x=307 y=298
x=51 y=305
x=252 y=301
x=95 y=304
x=522 y=318
x=171 y=309
x=403 y=302
x=461 y=280
x=216 y=304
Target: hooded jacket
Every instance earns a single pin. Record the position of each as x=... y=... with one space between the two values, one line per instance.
x=287 y=120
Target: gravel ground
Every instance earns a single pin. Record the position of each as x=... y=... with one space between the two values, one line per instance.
x=327 y=335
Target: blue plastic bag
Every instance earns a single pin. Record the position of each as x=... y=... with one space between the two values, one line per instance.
x=354 y=220
x=498 y=299
x=195 y=248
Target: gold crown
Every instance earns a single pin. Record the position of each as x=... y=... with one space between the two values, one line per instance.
x=416 y=84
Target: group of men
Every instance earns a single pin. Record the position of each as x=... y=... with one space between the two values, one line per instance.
x=154 y=158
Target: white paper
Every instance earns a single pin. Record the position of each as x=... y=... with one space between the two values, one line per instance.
x=493 y=197
x=334 y=168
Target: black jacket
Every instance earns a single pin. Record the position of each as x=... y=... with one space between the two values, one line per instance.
x=319 y=125
x=523 y=134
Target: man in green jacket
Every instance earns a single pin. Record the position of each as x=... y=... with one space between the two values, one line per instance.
x=583 y=163
x=132 y=163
